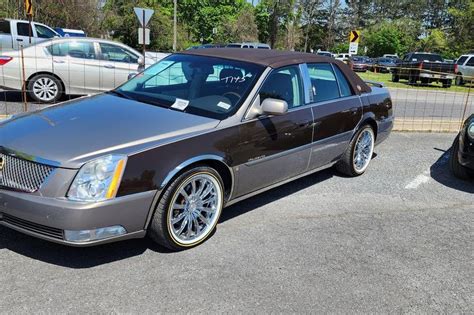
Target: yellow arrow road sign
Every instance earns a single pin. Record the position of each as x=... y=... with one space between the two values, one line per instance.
x=354 y=37
x=29 y=7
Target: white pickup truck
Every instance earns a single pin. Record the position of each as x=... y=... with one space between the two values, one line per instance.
x=14 y=33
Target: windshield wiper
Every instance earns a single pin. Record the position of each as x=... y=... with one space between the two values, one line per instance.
x=120 y=94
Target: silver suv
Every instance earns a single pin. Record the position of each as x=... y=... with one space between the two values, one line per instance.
x=465 y=69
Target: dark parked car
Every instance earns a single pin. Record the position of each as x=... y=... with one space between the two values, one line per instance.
x=165 y=152
x=462 y=152
x=383 y=65
x=425 y=68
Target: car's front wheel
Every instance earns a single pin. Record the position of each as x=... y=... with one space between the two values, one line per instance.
x=358 y=155
x=189 y=209
x=44 y=88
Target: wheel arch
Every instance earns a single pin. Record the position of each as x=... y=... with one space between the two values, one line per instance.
x=214 y=161
x=368 y=119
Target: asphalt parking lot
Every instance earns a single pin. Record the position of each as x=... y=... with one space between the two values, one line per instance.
x=398 y=239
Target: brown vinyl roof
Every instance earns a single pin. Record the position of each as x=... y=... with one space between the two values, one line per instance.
x=278 y=58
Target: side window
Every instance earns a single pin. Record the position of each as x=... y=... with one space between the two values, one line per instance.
x=116 y=53
x=461 y=60
x=44 y=32
x=343 y=83
x=23 y=29
x=5 y=27
x=323 y=82
x=83 y=50
x=284 y=84
x=470 y=62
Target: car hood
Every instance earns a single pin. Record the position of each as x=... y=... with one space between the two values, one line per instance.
x=72 y=133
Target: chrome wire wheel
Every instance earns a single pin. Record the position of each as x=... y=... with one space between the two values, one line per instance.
x=194 y=209
x=363 y=150
x=45 y=89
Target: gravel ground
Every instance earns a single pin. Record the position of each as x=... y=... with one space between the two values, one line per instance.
x=397 y=239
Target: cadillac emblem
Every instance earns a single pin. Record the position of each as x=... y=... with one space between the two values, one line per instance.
x=2 y=163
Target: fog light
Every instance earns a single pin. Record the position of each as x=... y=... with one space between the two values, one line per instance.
x=94 y=235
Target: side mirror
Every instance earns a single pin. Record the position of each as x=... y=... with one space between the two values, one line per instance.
x=131 y=75
x=275 y=107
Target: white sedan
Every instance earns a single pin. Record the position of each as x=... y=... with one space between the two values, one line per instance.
x=71 y=66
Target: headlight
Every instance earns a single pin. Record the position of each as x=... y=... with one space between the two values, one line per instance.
x=470 y=130
x=99 y=179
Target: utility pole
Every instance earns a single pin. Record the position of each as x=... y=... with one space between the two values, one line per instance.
x=175 y=31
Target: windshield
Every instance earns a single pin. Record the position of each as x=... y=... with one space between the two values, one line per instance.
x=204 y=86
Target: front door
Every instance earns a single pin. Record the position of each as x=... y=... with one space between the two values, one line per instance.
x=275 y=148
x=116 y=64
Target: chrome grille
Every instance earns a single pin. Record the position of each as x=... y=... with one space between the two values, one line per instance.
x=22 y=175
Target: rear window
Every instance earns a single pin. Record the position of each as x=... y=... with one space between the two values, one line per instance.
x=323 y=82
x=82 y=50
x=461 y=60
x=5 y=27
x=426 y=57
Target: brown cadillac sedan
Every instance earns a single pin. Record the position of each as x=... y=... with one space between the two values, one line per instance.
x=163 y=154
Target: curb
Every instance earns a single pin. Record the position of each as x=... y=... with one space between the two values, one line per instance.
x=426 y=125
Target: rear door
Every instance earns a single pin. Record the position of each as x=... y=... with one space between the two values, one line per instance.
x=117 y=63
x=337 y=110
x=76 y=62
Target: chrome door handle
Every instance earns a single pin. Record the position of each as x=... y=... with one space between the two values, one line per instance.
x=108 y=66
x=354 y=110
x=58 y=61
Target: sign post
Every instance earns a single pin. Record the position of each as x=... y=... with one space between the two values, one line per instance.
x=354 y=39
x=29 y=14
x=144 y=16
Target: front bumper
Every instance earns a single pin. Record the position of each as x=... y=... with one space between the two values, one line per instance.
x=47 y=218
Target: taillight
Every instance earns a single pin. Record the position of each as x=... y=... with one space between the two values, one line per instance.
x=455 y=68
x=4 y=60
x=421 y=65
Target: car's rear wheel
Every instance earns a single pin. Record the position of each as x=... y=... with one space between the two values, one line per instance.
x=412 y=80
x=44 y=88
x=358 y=155
x=458 y=170
x=189 y=209
x=395 y=78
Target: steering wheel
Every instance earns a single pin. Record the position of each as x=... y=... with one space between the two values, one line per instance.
x=234 y=95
